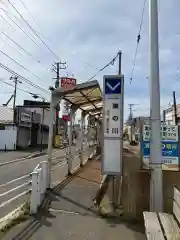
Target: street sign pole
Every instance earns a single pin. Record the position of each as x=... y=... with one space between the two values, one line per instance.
x=113 y=124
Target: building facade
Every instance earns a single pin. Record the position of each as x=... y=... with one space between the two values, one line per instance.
x=169 y=115
x=28 y=124
x=8 y=130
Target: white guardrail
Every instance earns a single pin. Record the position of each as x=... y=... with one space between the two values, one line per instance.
x=37 y=181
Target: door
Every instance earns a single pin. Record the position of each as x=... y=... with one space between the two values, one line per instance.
x=34 y=134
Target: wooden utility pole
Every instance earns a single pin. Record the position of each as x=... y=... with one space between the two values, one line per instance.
x=56 y=69
x=16 y=81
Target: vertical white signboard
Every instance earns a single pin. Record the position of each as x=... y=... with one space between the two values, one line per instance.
x=113 y=124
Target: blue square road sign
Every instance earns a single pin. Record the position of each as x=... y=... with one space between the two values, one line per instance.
x=112 y=85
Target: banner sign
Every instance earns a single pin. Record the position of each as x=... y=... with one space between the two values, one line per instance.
x=170 y=144
x=67 y=83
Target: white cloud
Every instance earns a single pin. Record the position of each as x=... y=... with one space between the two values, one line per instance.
x=87 y=34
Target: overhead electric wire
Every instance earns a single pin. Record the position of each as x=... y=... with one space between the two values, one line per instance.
x=35 y=20
x=13 y=48
x=20 y=89
x=24 y=5
x=138 y=40
x=7 y=22
x=100 y=70
x=8 y=14
x=23 y=78
x=34 y=31
x=22 y=30
x=38 y=61
x=12 y=59
x=17 y=44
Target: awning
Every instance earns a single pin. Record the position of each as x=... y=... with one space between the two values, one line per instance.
x=85 y=96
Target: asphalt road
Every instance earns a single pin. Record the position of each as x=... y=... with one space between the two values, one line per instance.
x=16 y=170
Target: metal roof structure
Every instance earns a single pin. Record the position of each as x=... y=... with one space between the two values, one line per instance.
x=85 y=96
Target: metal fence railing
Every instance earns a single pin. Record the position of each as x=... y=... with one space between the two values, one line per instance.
x=40 y=178
x=34 y=185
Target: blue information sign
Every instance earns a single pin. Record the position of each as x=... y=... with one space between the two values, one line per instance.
x=112 y=85
x=170 y=152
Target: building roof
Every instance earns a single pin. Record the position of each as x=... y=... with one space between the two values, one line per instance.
x=6 y=115
x=86 y=96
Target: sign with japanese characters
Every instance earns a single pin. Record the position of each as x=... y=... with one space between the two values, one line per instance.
x=170 y=144
x=168 y=132
x=113 y=95
x=67 y=83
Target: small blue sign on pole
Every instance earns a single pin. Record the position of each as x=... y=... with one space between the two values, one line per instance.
x=170 y=144
x=112 y=85
x=170 y=153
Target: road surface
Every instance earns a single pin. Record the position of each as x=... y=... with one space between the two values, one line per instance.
x=16 y=170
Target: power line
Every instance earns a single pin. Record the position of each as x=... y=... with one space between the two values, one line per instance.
x=35 y=20
x=7 y=22
x=12 y=59
x=21 y=29
x=23 y=78
x=8 y=14
x=32 y=16
x=24 y=5
x=34 y=31
x=107 y=65
x=38 y=61
x=17 y=44
x=138 y=40
x=11 y=85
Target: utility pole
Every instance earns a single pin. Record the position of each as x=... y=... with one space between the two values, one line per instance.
x=130 y=118
x=175 y=108
x=56 y=69
x=156 y=183
x=119 y=62
x=16 y=81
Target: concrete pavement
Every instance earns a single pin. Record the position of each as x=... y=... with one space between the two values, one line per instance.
x=68 y=213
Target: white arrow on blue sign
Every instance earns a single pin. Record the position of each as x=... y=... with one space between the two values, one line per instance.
x=112 y=85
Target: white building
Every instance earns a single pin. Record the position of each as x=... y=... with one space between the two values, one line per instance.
x=8 y=131
x=169 y=115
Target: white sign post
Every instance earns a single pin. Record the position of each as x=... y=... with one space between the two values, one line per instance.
x=113 y=124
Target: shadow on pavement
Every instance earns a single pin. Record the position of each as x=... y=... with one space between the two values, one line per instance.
x=34 y=225
x=52 y=195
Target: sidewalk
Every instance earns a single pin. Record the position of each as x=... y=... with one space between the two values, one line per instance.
x=68 y=213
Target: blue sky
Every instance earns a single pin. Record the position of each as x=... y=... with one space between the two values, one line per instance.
x=88 y=34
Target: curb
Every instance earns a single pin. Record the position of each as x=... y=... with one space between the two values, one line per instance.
x=13 y=218
x=36 y=155
x=103 y=203
x=102 y=190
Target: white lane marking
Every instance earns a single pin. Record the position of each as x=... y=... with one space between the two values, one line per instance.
x=25 y=159
x=30 y=159
x=63 y=211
